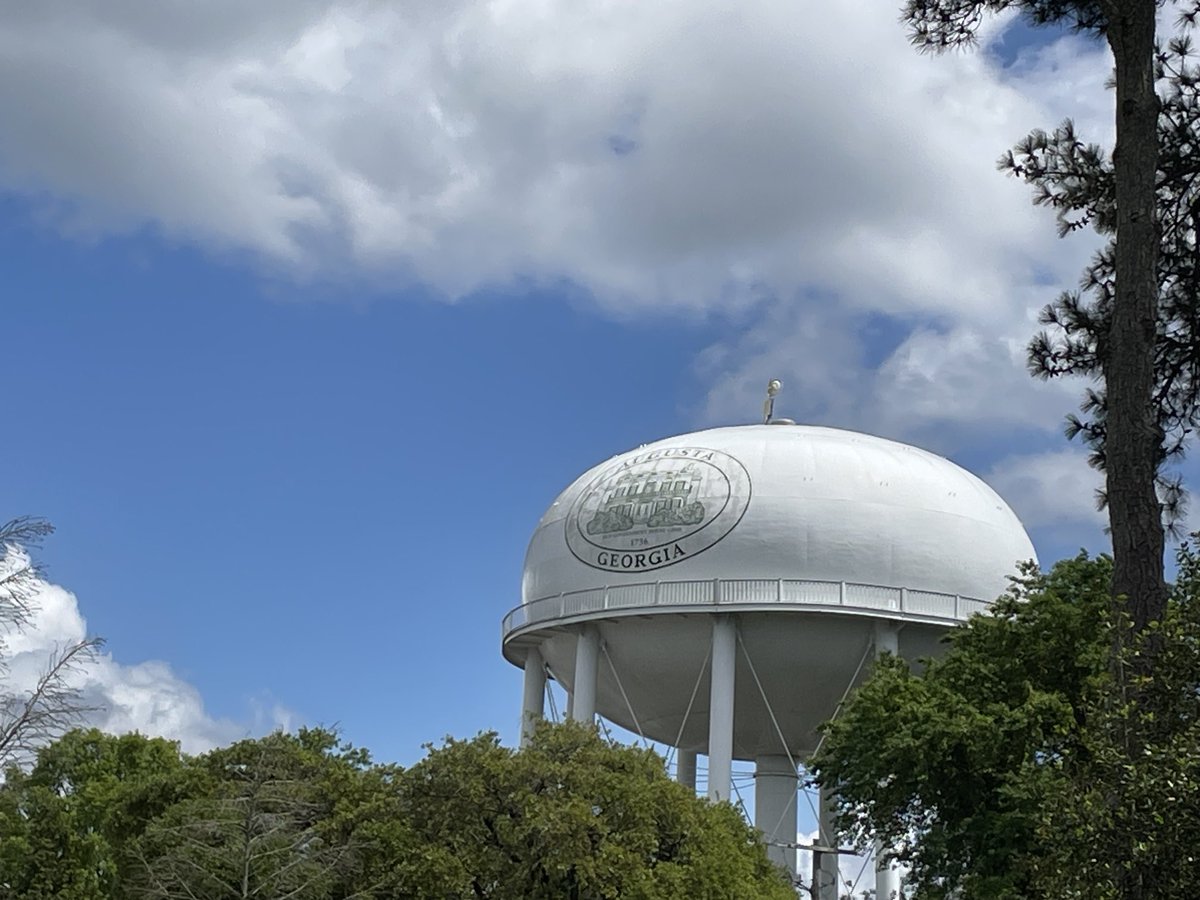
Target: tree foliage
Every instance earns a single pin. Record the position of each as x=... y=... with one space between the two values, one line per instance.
x=306 y=816
x=261 y=827
x=65 y=824
x=1000 y=770
x=1075 y=179
x=1132 y=328
x=937 y=25
x=1111 y=819
x=573 y=817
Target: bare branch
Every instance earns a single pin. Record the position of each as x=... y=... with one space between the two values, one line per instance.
x=20 y=576
x=51 y=707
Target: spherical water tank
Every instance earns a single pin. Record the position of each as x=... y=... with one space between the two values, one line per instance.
x=721 y=591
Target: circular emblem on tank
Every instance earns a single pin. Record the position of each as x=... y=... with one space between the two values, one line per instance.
x=657 y=508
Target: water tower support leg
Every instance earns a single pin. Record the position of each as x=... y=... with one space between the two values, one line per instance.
x=775 y=808
x=532 y=708
x=826 y=876
x=720 y=708
x=887 y=879
x=587 y=659
x=887 y=638
x=685 y=768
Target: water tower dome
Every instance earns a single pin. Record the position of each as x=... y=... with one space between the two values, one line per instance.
x=765 y=501
x=721 y=591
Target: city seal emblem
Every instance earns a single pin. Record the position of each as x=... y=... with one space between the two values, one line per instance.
x=657 y=508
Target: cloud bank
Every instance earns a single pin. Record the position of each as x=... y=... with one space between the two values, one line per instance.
x=801 y=173
x=680 y=154
x=147 y=697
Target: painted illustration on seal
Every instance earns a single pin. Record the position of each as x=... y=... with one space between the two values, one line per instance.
x=652 y=498
x=657 y=508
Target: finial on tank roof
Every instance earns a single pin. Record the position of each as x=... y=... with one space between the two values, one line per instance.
x=774 y=386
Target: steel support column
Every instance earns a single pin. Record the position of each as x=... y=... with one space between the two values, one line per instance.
x=587 y=665
x=887 y=879
x=775 y=808
x=685 y=768
x=533 y=705
x=825 y=864
x=720 y=708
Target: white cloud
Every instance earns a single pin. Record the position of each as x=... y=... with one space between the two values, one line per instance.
x=147 y=697
x=800 y=170
x=933 y=386
x=687 y=154
x=1051 y=488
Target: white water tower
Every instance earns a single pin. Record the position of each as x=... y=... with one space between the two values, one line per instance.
x=720 y=592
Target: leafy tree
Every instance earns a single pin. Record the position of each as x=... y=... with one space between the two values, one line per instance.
x=100 y=816
x=942 y=763
x=1132 y=325
x=264 y=826
x=1000 y=770
x=1125 y=353
x=1109 y=818
x=570 y=817
x=64 y=824
x=305 y=816
x=33 y=717
x=1129 y=754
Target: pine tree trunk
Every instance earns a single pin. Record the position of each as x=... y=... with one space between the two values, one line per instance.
x=1133 y=441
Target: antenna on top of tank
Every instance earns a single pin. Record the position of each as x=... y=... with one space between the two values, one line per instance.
x=774 y=386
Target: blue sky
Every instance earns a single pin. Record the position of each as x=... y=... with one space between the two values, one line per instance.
x=302 y=497
x=304 y=501
x=312 y=310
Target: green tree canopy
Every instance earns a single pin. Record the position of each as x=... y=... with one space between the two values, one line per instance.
x=999 y=769
x=306 y=816
x=572 y=817
x=64 y=825
x=265 y=825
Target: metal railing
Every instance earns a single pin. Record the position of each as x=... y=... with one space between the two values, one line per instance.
x=721 y=592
